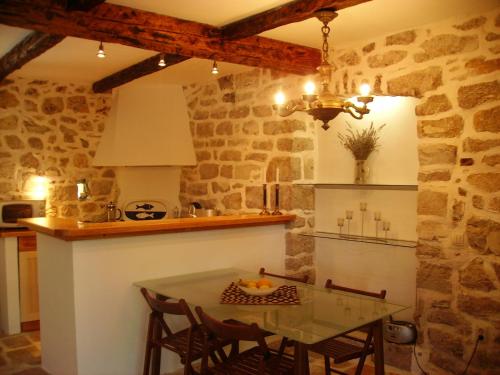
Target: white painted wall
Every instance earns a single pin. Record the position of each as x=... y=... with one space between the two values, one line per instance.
x=370 y=267
x=397 y=207
x=10 y=319
x=363 y=265
x=149 y=183
x=106 y=318
x=395 y=162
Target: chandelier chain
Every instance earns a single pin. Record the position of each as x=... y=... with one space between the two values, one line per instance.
x=326 y=31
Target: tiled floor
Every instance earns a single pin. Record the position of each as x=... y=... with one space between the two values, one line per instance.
x=20 y=355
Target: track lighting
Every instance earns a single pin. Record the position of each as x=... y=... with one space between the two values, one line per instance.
x=162 y=61
x=100 y=52
x=215 y=69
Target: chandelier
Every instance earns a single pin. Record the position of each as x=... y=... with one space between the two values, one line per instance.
x=324 y=106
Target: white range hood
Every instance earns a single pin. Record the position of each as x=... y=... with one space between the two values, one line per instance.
x=148 y=125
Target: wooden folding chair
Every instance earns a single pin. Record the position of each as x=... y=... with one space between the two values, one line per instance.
x=347 y=347
x=258 y=360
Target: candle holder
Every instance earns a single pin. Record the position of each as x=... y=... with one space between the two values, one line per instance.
x=386 y=226
x=277 y=200
x=264 y=211
x=362 y=208
x=340 y=223
x=348 y=217
x=377 y=216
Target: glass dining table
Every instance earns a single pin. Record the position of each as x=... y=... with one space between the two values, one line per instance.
x=321 y=314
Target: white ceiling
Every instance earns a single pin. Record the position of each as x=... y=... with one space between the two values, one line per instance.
x=74 y=59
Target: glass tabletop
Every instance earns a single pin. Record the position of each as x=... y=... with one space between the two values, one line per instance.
x=322 y=313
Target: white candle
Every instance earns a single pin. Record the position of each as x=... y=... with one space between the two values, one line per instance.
x=340 y=221
x=348 y=214
x=277 y=175
x=378 y=215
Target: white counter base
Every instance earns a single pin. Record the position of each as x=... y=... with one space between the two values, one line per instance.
x=93 y=321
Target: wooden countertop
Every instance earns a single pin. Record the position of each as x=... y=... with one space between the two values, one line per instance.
x=70 y=229
x=16 y=232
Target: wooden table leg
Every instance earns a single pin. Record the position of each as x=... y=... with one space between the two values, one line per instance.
x=301 y=359
x=378 y=346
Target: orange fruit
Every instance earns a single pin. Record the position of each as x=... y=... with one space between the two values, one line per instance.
x=264 y=281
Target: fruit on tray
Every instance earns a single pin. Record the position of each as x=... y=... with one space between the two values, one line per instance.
x=256 y=284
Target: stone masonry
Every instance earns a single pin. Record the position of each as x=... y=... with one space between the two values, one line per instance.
x=239 y=143
x=452 y=67
x=52 y=129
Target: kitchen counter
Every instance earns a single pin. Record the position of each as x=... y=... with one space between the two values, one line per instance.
x=86 y=273
x=16 y=232
x=70 y=229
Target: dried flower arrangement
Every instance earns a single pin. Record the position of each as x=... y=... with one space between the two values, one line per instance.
x=363 y=143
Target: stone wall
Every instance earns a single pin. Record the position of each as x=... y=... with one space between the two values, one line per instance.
x=452 y=67
x=240 y=141
x=52 y=129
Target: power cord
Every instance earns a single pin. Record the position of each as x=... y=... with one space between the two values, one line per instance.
x=480 y=337
x=416 y=360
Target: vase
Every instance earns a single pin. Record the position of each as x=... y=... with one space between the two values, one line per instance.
x=361 y=172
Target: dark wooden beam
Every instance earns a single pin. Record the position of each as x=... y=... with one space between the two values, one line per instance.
x=151 y=31
x=143 y=68
x=29 y=48
x=295 y=11
x=84 y=5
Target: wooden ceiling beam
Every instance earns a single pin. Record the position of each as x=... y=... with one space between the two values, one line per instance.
x=29 y=48
x=136 y=28
x=143 y=68
x=295 y=11
x=84 y=5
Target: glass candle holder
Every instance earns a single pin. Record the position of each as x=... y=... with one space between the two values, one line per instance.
x=348 y=216
x=386 y=226
x=377 y=216
x=340 y=223
x=362 y=208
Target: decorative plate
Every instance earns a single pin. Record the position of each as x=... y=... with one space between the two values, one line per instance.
x=145 y=210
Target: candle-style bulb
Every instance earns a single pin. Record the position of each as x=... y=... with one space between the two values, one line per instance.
x=310 y=88
x=279 y=98
x=364 y=89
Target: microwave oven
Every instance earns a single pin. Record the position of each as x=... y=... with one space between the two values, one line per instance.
x=10 y=211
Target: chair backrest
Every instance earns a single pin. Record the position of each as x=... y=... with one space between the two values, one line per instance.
x=330 y=285
x=230 y=331
x=160 y=307
x=300 y=279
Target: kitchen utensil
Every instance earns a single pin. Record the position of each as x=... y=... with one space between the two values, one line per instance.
x=112 y=211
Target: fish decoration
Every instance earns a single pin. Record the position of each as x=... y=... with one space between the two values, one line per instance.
x=145 y=206
x=145 y=210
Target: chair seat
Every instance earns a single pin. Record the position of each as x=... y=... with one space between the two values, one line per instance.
x=340 y=350
x=178 y=343
x=248 y=363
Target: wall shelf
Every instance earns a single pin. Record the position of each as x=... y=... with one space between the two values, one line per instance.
x=326 y=185
x=355 y=238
